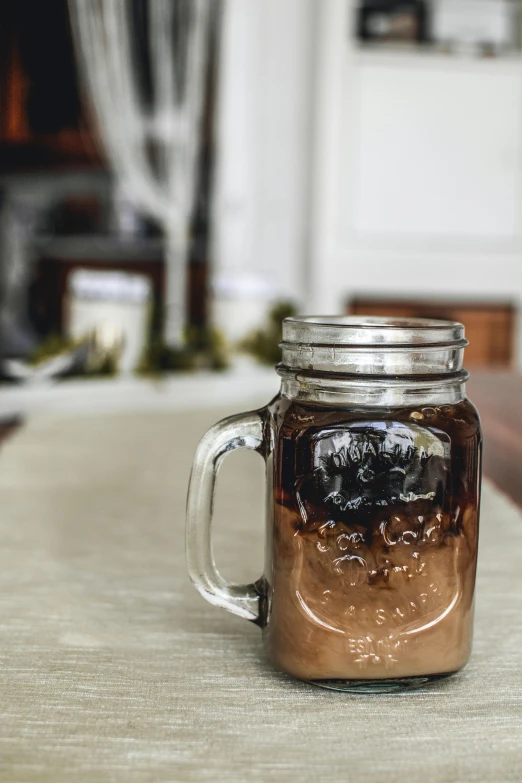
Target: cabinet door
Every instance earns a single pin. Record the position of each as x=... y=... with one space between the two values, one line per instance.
x=437 y=150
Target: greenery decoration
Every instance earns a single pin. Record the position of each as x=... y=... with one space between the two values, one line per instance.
x=263 y=344
x=204 y=349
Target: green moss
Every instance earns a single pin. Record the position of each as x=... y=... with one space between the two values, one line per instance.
x=204 y=349
x=52 y=346
x=96 y=362
x=263 y=344
x=105 y=365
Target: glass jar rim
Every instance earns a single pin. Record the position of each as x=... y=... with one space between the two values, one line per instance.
x=361 y=330
x=369 y=345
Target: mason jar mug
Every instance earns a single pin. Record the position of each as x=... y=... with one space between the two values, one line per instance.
x=372 y=458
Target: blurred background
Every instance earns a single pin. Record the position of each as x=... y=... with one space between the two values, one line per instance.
x=176 y=176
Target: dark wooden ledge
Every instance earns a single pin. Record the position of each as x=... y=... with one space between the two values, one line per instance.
x=498 y=397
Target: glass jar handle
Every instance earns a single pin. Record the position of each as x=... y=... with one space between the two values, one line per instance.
x=237 y=432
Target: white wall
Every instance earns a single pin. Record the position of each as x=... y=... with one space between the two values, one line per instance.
x=264 y=145
x=235 y=145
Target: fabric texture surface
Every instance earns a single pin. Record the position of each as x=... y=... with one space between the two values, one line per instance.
x=113 y=668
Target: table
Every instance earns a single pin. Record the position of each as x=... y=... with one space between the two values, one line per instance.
x=498 y=397
x=114 y=669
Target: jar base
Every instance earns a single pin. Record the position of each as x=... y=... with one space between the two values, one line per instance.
x=395 y=685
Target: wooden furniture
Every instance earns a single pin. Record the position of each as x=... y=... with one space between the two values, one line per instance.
x=9 y=423
x=60 y=257
x=490 y=327
x=418 y=185
x=48 y=291
x=498 y=396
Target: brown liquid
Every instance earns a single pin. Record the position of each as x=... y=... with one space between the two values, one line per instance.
x=374 y=541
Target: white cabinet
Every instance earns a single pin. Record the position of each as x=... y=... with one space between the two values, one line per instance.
x=345 y=171
x=417 y=175
x=436 y=149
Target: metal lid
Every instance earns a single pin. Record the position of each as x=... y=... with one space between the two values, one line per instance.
x=369 y=345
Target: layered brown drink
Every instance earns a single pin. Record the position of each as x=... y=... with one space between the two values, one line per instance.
x=373 y=543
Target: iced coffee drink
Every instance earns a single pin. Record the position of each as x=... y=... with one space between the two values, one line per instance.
x=373 y=546
x=373 y=471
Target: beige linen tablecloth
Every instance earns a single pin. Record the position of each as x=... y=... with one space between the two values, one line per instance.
x=112 y=668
